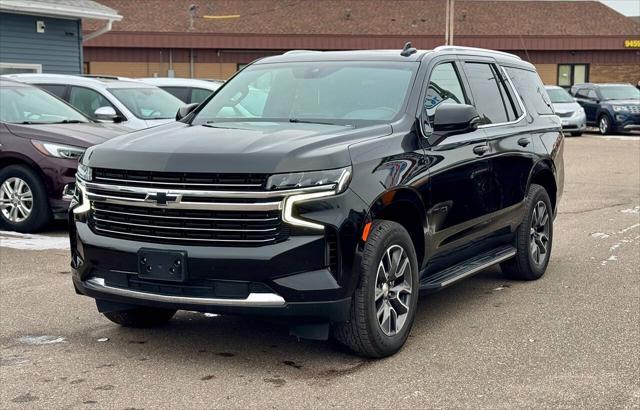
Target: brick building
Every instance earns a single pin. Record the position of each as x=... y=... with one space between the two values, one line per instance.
x=569 y=41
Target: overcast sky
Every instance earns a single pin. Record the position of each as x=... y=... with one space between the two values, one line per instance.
x=626 y=7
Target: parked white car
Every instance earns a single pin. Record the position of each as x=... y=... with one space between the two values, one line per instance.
x=189 y=90
x=131 y=103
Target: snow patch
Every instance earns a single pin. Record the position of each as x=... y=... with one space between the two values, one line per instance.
x=42 y=340
x=599 y=235
x=17 y=240
x=634 y=210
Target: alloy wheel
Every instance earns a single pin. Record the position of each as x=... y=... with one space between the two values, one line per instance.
x=16 y=200
x=393 y=290
x=604 y=125
x=540 y=224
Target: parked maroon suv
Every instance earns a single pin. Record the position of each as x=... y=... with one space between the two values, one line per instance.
x=41 y=139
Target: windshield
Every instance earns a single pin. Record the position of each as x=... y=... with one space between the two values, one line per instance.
x=30 y=105
x=619 y=92
x=559 y=95
x=148 y=103
x=325 y=92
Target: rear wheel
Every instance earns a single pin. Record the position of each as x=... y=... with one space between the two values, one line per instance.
x=534 y=238
x=604 y=124
x=140 y=317
x=384 y=304
x=24 y=206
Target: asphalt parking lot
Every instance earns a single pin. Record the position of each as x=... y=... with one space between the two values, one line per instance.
x=570 y=339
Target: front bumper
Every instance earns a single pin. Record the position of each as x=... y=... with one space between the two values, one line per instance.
x=625 y=122
x=289 y=278
x=575 y=123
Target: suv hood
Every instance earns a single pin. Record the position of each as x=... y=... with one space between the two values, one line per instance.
x=565 y=107
x=233 y=147
x=80 y=135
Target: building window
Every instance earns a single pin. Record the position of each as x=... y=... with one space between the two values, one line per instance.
x=17 y=68
x=570 y=74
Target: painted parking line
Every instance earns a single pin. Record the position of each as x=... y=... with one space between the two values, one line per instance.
x=17 y=240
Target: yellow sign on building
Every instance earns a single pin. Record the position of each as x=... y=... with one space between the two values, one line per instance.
x=632 y=43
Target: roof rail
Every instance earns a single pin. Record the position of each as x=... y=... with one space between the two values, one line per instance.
x=301 y=51
x=485 y=50
x=101 y=77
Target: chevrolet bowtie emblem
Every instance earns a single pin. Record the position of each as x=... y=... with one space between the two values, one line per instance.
x=161 y=198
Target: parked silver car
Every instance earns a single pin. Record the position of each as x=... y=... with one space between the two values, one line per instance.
x=574 y=119
x=131 y=103
x=189 y=90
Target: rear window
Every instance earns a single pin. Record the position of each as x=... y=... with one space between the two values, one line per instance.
x=531 y=90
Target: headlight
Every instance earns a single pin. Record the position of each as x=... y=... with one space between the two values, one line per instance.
x=338 y=177
x=84 y=172
x=620 y=108
x=58 y=150
x=334 y=181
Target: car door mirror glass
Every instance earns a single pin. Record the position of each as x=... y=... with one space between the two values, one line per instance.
x=453 y=119
x=106 y=114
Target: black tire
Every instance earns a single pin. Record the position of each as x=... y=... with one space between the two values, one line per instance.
x=576 y=134
x=604 y=124
x=523 y=265
x=40 y=215
x=140 y=317
x=362 y=334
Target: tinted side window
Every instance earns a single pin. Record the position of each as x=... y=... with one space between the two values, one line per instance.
x=198 y=95
x=56 y=89
x=488 y=97
x=179 y=92
x=592 y=95
x=511 y=101
x=531 y=90
x=88 y=101
x=444 y=88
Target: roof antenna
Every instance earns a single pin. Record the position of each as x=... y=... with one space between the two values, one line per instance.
x=407 y=50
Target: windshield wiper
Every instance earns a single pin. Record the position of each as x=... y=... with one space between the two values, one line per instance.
x=299 y=121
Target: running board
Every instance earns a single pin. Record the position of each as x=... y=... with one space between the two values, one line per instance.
x=466 y=268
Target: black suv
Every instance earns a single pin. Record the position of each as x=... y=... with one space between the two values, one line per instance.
x=610 y=107
x=329 y=188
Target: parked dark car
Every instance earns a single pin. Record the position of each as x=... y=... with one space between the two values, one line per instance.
x=610 y=107
x=41 y=139
x=357 y=180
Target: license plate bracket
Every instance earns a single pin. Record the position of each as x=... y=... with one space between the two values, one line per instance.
x=158 y=264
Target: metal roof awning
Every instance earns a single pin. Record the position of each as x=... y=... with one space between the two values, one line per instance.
x=83 y=9
x=69 y=9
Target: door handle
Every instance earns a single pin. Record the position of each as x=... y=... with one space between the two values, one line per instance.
x=523 y=142
x=480 y=149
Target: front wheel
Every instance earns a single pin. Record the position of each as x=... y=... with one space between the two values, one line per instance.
x=384 y=304
x=24 y=205
x=534 y=238
x=604 y=124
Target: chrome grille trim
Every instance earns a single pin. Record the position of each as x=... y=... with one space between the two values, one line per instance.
x=195 y=218
x=204 y=184
x=95 y=218
x=186 y=239
x=209 y=206
x=204 y=193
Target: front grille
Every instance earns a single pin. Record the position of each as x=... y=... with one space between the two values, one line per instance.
x=181 y=180
x=185 y=208
x=155 y=224
x=634 y=109
x=565 y=114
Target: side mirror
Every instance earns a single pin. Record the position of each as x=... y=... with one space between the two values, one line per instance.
x=453 y=119
x=106 y=114
x=186 y=110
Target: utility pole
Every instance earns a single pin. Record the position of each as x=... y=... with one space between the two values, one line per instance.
x=448 y=23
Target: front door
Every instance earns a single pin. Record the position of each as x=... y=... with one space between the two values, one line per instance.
x=460 y=177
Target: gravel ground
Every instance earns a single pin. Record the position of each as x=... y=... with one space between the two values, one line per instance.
x=570 y=339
